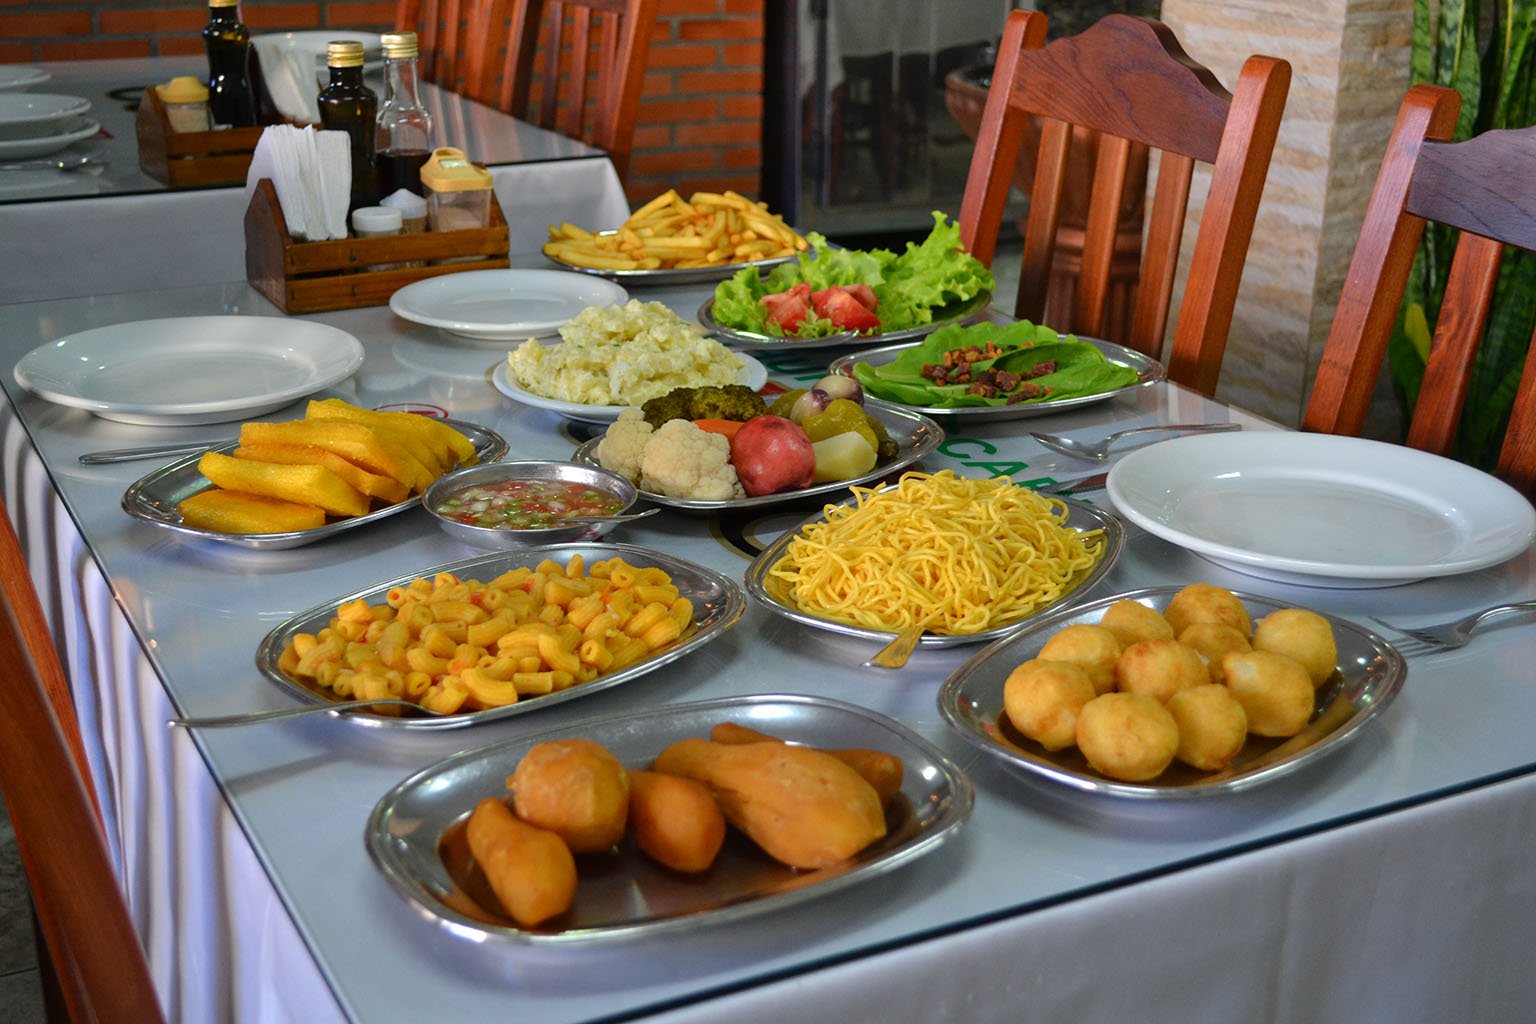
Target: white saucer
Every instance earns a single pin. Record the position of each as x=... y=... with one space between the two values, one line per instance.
x=63 y=135
x=1321 y=510
x=187 y=370
x=503 y=305
x=28 y=115
x=21 y=77
x=753 y=374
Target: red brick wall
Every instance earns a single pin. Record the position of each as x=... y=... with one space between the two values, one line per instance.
x=700 y=115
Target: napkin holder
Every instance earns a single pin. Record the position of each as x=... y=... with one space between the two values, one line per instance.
x=312 y=277
x=190 y=159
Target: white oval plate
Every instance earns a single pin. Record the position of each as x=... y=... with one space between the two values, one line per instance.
x=753 y=374
x=20 y=77
x=187 y=370
x=63 y=135
x=501 y=305
x=26 y=115
x=1321 y=510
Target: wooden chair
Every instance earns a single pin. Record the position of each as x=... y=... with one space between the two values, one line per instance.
x=1483 y=187
x=1128 y=80
x=490 y=51
x=97 y=965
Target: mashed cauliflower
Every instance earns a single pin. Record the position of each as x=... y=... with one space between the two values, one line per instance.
x=622 y=355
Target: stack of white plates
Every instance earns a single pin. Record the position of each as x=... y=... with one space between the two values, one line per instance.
x=37 y=124
x=21 y=77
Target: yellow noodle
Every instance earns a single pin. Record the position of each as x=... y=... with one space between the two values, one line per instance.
x=953 y=554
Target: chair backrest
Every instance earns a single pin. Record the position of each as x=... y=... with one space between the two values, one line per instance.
x=585 y=79
x=573 y=66
x=1128 y=80
x=461 y=42
x=91 y=943
x=1484 y=187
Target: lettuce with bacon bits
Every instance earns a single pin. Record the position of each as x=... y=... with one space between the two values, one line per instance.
x=913 y=288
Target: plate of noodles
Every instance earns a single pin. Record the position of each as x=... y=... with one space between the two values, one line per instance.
x=891 y=557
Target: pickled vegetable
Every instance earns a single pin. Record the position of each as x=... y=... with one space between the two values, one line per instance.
x=841 y=416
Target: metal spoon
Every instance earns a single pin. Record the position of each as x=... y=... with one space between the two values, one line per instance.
x=252 y=717
x=896 y=653
x=609 y=519
x=1098 y=451
x=147 y=452
x=68 y=163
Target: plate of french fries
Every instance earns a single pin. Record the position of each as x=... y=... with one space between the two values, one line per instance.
x=289 y=483
x=672 y=240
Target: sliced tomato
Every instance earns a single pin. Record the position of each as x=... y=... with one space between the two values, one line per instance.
x=865 y=294
x=786 y=309
x=838 y=305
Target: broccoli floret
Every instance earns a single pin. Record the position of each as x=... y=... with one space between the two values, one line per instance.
x=671 y=406
x=730 y=402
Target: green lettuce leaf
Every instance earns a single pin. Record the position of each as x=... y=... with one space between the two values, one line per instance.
x=913 y=288
x=1081 y=369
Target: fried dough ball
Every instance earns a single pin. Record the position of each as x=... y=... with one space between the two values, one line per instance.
x=1160 y=669
x=1092 y=648
x=1043 y=699
x=1127 y=736
x=1274 y=690
x=574 y=788
x=1302 y=635
x=1214 y=640
x=1203 y=602
x=1132 y=622
x=1212 y=726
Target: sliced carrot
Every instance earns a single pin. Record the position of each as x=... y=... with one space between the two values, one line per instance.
x=726 y=427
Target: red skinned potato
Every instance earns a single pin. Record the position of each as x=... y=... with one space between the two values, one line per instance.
x=771 y=454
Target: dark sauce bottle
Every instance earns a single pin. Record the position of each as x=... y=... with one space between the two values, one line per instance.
x=231 y=100
x=347 y=105
x=404 y=133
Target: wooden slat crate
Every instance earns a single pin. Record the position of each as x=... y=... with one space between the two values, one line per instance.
x=190 y=159
x=311 y=277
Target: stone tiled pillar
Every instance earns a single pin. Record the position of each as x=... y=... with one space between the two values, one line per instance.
x=1349 y=62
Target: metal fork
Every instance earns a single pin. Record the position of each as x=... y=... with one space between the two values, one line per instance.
x=1447 y=636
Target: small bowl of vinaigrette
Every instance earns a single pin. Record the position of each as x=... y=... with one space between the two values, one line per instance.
x=509 y=504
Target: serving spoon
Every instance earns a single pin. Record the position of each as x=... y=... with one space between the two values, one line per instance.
x=896 y=653
x=252 y=717
x=1098 y=451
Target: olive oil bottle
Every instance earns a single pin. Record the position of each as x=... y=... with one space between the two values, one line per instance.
x=348 y=105
x=231 y=99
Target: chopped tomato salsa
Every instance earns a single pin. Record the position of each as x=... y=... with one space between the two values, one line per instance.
x=527 y=504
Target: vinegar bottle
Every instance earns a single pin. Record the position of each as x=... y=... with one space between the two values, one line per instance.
x=347 y=105
x=404 y=133
x=231 y=100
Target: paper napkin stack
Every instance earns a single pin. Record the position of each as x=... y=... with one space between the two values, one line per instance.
x=312 y=173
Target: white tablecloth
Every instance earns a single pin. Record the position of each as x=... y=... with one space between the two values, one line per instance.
x=1392 y=881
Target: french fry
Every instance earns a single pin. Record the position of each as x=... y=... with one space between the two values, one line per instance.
x=708 y=229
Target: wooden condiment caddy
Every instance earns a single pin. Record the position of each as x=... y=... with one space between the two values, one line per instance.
x=190 y=159
x=312 y=277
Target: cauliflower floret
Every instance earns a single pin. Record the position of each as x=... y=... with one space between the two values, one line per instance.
x=683 y=461
x=621 y=446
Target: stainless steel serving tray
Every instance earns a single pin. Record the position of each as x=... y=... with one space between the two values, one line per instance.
x=664 y=277
x=1371 y=672
x=1148 y=370
x=774 y=595
x=154 y=497
x=718 y=603
x=915 y=435
x=622 y=895
x=965 y=312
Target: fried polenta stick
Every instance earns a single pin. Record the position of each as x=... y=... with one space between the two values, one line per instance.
x=374 y=485
x=454 y=447
x=355 y=442
x=237 y=512
x=308 y=485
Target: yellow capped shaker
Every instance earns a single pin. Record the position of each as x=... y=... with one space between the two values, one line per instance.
x=458 y=192
x=186 y=103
